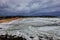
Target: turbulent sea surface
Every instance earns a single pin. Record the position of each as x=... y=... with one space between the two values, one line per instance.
x=38 y=28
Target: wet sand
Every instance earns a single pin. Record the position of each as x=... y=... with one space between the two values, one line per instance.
x=9 y=19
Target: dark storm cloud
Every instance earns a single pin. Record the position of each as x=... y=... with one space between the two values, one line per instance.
x=29 y=7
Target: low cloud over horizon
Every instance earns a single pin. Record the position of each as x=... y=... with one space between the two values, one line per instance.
x=29 y=7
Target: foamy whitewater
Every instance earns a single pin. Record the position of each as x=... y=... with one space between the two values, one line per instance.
x=38 y=28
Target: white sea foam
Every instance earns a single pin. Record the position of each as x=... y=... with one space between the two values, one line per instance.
x=33 y=27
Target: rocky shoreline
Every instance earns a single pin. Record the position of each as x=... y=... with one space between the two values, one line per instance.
x=14 y=37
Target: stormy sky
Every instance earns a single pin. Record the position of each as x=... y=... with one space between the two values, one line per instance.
x=29 y=7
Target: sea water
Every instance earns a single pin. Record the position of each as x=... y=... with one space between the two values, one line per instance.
x=33 y=27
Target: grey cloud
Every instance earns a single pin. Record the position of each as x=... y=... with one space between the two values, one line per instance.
x=28 y=6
